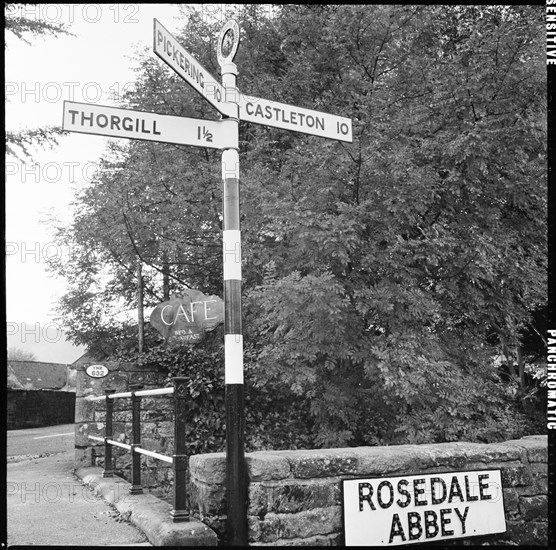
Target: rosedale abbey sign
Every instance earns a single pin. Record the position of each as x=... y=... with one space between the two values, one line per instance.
x=422 y=508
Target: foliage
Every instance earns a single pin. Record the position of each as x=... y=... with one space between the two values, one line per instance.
x=16 y=22
x=397 y=257
x=18 y=142
x=153 y=203
x=380 y=278
x=274 y=417
x=18 y=354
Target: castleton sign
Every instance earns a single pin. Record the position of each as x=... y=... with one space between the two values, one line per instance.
x=188 y=316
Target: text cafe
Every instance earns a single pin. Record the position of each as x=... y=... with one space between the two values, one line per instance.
x=422 y=508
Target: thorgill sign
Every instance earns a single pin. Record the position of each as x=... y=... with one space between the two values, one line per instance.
x=187 y=316
x=422 y=508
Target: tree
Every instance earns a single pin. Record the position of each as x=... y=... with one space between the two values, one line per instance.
x=383 y=267
x=18 y=354
x=153 y=203
x=380 y=277
x=16 y=22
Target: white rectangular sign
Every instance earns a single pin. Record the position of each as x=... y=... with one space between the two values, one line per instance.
x=298 y=119
x=126 y=123
x=181 y=61
x=422 y=508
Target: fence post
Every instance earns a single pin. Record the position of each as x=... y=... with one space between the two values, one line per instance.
x=108 y=461
x=180 y=511
x=136 y=488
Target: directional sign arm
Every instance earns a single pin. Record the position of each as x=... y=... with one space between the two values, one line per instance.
x=101 y=120
x=251 y=109
x=298 y=119
x=185 y=65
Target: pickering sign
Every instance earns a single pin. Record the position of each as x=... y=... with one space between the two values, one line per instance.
x=422 y=508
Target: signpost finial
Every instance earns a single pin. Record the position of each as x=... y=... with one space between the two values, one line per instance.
x=230 y=28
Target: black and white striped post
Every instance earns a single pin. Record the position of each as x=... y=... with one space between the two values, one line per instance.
x=236 y=476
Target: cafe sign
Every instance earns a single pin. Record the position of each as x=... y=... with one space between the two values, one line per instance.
x=422 y=508
x=187 y=316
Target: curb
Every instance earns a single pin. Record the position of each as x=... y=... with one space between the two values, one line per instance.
x=147 y=512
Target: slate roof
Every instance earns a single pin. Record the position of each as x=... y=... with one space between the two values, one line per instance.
x=36 y=375
x=87 y=357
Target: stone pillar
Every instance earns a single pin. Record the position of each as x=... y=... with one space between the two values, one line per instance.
x=157 y=422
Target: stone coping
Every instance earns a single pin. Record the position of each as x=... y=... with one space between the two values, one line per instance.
x=147 y=512
x=315 y=463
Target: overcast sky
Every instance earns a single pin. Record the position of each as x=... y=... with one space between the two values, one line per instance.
x=88 y=67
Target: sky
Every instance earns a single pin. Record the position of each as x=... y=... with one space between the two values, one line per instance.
x=89 y=67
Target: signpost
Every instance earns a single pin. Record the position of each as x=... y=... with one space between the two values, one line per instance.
x=224 y=135
x=236 y=472
x=251 y=109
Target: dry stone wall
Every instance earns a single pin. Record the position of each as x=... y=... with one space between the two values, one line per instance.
x=295 y=497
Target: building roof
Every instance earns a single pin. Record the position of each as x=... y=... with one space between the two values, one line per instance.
x=88 y=357
x=36 y=375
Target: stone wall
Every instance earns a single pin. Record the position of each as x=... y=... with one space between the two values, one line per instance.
x=37 y=408
x=295 y=497
x=157 y=423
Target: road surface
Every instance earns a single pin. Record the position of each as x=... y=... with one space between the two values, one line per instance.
x=34 y=442
x=48 y=505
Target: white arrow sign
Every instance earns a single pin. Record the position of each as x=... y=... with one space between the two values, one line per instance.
x=298 y=119
x=251 y=109
x=179 y=59
x=127 y=123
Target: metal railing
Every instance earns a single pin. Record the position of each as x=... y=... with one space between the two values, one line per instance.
x=178 y=459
